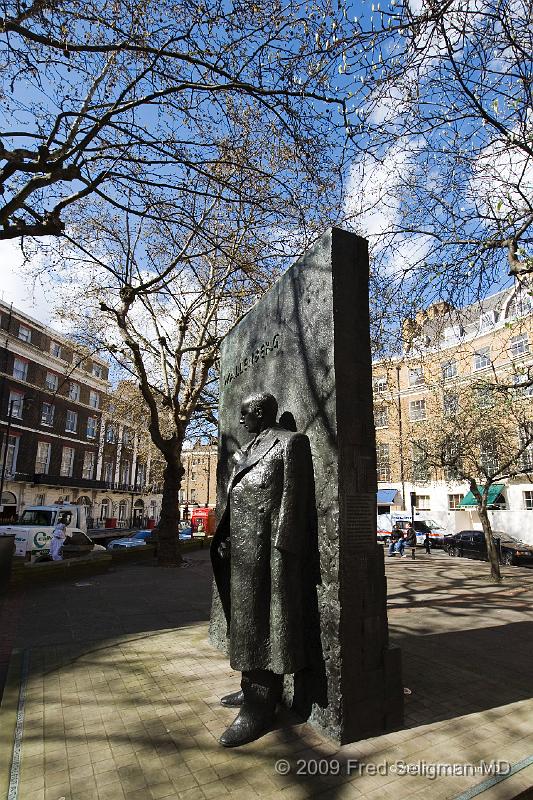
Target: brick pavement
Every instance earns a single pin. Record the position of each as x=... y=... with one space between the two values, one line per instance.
x=122 y=697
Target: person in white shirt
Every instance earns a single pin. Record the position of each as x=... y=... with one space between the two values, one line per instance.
x=58 y=537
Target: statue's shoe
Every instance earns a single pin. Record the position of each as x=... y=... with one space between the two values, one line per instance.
x=233 y=700
x=249 y=725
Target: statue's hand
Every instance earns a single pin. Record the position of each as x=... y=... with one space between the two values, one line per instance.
x=224 y=550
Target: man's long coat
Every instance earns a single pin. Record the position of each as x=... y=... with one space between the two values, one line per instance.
x=268 y=517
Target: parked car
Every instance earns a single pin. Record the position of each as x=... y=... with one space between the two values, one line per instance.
x=184 y=533
x=185 y=530
x=422 y=527
x=138 y=539
x=472 y=544
x=76 y=544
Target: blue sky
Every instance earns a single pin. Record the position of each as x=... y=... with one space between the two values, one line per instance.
x=37 y=299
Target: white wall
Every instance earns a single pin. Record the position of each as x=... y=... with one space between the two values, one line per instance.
x=516 y=523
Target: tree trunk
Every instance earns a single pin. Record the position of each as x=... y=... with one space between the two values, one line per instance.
x=492 y=552
x=168 y=551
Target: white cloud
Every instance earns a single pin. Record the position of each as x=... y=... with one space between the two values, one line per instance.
x=32 y=294
x=374 y=198
x=502 y=180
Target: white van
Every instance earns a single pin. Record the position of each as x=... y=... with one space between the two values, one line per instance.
x=422 y=526
x=33 y=532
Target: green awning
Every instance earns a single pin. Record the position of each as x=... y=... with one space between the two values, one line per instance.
x=494 y=492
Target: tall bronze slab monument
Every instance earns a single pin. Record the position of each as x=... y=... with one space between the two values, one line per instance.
x=307 y=342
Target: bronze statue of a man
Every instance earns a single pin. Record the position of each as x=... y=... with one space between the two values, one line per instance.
x=261 y=567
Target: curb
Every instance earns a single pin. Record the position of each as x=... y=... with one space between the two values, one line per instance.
x=8 y=720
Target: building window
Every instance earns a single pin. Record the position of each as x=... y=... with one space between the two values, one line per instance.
x=519 y=346
x=453 y=333
x=454 y=501
x=484 y=397
x=526 y=441
x=109 y=469
x=24 y=333
x=423 y=502
x=111 y=435
x=449 y=370
x=67 y=462
x=72 y=421
x=39 y=499
x=97 y=370
x=10 y=458
x=42 y=460
x=383 y=461
x=420 y=468
x=20 y=369
x=521 y=305
x=486 y=320
x=125 y=472
x=193 y=476
x=416 y=376
x=381 y=417
x=94 y=399
x=528 y=500
x=488 y=455
x=417 y=410
x=140 y=478
x=47 y=414
x=450 y=404
x=104 y=509
x=91 y=427
x=524 y=386
x=122 y=508
x=16 y=403
x=482 y=359
x=55 y=349
x=193 y=495
x=380 y=384
x=127 y=437
x=51 y=382
x=74 y=391
x=89 y=459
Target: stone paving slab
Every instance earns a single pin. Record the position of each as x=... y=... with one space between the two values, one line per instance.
x=137 y=715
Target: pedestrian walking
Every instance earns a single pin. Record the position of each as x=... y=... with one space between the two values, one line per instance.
x=427 y=544
x=411 y=540
x=58 y=538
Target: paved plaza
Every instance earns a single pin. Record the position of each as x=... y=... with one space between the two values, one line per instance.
x=113 y=692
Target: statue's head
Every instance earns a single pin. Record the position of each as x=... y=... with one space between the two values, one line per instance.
x=259 y=411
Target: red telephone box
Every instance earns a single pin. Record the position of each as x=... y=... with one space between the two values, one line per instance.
x=203 y=517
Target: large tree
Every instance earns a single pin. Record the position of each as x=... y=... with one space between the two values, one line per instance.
x=479 y=428
x=182 y=151
x=442 y=133
x=103 y=99
x=158 y=298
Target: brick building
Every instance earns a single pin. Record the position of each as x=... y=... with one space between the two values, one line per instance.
x=199 y=485
x=57 y=442
x=446 y=352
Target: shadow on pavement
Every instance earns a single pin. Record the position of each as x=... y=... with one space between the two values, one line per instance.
x=462 y=672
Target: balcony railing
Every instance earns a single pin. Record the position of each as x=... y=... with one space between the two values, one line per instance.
x=84 y=483
x=59 y=480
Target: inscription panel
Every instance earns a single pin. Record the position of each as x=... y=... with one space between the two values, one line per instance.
x=261 y=351
x=360 y=519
